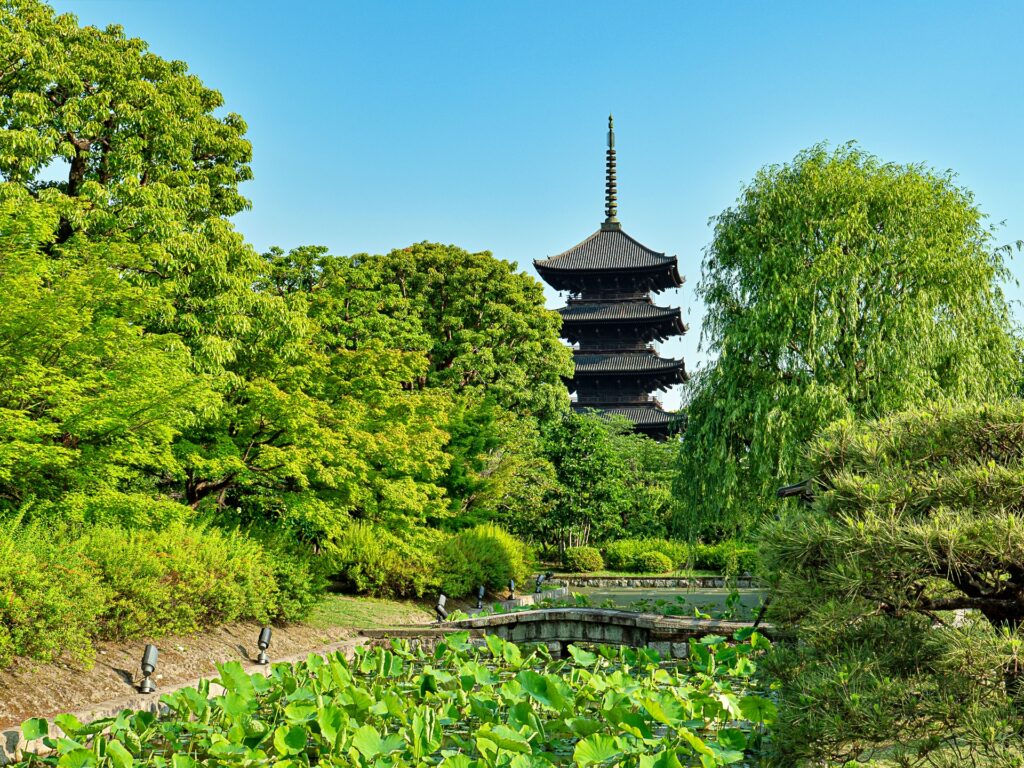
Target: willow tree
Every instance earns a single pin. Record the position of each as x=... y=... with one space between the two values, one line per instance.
x=837 y=286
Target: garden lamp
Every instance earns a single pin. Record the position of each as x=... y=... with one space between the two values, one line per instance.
x=263 y=642
x=148 y=668
x=442 y=612
x=480 y=591
x=511 y=589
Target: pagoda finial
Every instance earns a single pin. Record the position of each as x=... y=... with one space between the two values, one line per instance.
x=610 y=206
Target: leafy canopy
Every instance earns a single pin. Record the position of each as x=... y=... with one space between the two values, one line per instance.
x=837 y=286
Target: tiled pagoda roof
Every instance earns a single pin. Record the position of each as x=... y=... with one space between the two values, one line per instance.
x=608 y=249
x=642 y=415
x=617 y=310
x=624 y=362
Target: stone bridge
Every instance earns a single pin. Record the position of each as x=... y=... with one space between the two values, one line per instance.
x=669 y=635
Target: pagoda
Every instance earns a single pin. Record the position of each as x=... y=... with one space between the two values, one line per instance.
x=612 y=322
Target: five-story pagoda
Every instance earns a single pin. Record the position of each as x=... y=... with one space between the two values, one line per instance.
x=612 y=322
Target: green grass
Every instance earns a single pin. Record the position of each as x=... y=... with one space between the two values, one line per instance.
x=368 y=612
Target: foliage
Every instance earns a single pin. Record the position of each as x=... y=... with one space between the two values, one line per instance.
x=582 y=559
x=653 y=561
x=838 y=286
x=370 y=559
x=61 y=587
x=914 y=518
x=461 y=707
x=49 y=600
x=626 y=554
x=485 y=555
x=730 y=558
x=87 y=401
x=177 y=580
x=486 y=323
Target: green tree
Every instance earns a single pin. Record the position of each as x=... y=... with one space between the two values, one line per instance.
x=591 y=474
x=149 y=169
x=903 y=579
x=837 y=286
x=487 y=326
x=88 y=400
x=647 y=503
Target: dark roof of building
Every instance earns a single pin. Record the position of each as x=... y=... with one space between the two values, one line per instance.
x=607 y=249
x=617 y=310
x=632 y=362
x=642 y=415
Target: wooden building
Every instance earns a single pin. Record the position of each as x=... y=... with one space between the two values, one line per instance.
x=612 y=322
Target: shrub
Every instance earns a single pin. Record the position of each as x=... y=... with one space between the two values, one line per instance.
x=730 y=558
x=300 y=581
x=582 y=559
x=625 y=554
x=370 y=560
x=181 y=579
x=61 y=587
x=50 y=599
x=653 y=562
x=486 y=555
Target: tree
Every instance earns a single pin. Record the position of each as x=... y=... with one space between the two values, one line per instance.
x=904 y=579
x=89 y=402
x=486 y=323
x=591 y=475
x=149 y=169
x=647 y=504
x=838 y=286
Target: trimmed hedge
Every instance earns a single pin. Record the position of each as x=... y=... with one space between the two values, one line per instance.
x=626 y=554
x=730 y=558
x=582 y=559
x=653 y=562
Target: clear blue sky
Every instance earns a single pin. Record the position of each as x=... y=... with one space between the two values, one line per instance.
x=380 y=124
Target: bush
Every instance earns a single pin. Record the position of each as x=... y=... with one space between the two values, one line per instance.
x=625 y=554
x=486 y=555
x=178 y=580
x=730 y=558
x=371 y=560
x=50 y=599
x=653 y=562
x=582 y=559
x=61 y=587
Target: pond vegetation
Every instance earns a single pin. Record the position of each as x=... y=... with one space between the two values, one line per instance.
x=459 y=706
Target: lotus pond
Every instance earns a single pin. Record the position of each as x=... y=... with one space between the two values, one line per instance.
x=458 y=706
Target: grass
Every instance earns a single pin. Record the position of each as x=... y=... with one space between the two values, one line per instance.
x=368 y=612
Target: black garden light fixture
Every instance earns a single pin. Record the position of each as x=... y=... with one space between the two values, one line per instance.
x=149 y=657
x=480 y=592
x=263 y=642
x=511 y=589
x=439 y=609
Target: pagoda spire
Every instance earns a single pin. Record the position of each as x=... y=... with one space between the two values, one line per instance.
x=610 y=205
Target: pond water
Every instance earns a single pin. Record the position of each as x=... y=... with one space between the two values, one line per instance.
x=683 y=601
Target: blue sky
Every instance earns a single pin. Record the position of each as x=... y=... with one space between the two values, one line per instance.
x=380 y=124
